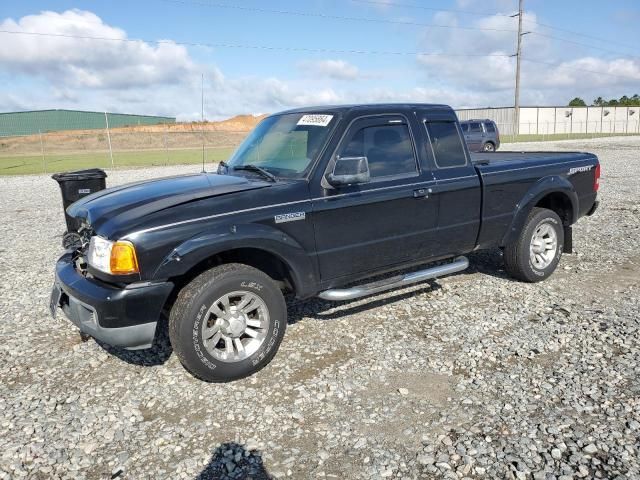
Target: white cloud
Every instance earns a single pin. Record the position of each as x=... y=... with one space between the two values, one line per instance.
x=480 y=72
x=591 y=71
x=335 y=69
x=382 y=5
x=138 y=77
x=79 y=62
x=12 y=102
x=252 y=94
x=509 y=6
x=547 y=76
x=416 y=94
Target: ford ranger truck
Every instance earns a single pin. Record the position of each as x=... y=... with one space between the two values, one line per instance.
x=314 y=202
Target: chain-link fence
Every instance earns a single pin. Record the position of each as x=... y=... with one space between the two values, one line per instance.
x=72 y=150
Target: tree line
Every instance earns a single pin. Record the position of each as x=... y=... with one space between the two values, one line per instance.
x=623 y=101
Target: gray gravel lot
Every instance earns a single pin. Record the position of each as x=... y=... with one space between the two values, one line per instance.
x=471 y=376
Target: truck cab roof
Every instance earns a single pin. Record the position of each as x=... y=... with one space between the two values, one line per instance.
x=369 y=108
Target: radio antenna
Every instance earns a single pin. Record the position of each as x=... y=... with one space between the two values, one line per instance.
x=202 y=116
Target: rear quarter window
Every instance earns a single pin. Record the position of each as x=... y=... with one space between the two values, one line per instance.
x=446 y=144
x=490 y=127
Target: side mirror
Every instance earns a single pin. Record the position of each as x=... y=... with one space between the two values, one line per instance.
x=349 y=171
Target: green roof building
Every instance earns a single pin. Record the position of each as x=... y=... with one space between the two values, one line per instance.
x=31 y=122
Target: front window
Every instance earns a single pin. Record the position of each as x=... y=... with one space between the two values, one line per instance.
x=388 y=149
x=285 y=145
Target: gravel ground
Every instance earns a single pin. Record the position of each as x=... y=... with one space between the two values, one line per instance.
x=471 y=376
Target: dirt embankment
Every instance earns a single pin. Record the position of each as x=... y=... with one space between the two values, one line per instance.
x=175 y=135
x=239 y=123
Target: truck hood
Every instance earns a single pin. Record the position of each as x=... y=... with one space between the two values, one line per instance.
x=126 y=203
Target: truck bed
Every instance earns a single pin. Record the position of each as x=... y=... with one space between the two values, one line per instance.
x=509 y=179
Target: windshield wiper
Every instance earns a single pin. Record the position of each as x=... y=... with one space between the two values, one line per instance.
x=255 y=168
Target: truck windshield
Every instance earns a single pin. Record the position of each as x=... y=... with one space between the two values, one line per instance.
x=284 y=145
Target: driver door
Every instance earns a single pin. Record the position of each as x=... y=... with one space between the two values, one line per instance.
x=388 y=221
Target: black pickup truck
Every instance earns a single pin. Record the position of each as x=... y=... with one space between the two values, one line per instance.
x=312 y=203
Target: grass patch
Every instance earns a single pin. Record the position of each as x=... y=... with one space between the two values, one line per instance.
x=32 y=164
x=24 y=164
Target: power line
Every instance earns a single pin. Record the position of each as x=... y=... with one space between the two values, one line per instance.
x=579 y=69
x=387 y=21
x=296 y=49
x=595 y=47
x=432 y=9
x=248 y=46
x=498 y=14
x=593 y=37
x=333 y=17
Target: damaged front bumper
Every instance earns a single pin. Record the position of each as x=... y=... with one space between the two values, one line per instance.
x=120 y=316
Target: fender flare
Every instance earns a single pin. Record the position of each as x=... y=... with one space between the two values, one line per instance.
x=539 y=190
x=225 y=238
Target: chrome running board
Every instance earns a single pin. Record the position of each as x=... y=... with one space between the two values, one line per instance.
x=459 y=264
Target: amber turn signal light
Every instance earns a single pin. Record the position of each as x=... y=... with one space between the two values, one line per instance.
x=123 y=259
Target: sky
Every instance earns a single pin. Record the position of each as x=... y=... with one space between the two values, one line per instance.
x=149 y=56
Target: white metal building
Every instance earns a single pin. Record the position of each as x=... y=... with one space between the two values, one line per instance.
x=560 y=120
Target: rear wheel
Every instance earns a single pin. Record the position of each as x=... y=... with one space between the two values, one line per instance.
x=489 y=147
x=228 y=323
x=535 y=254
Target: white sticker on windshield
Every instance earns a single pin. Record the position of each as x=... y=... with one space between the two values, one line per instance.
x=315 y=120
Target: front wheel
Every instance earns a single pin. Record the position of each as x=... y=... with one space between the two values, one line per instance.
x=535 y=254
x=228 y=323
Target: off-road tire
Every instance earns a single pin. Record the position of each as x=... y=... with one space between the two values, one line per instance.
x=517 y=254
x=196 y=298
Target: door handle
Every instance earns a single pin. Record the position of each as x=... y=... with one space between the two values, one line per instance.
x=422 y=193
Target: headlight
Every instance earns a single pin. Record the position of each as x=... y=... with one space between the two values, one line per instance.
x=100 y=254
x=114 y=258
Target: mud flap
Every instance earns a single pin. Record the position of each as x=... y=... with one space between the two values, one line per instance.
x=568 y=239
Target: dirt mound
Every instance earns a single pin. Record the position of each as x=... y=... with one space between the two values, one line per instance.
x=239 y=123
x=224 y=133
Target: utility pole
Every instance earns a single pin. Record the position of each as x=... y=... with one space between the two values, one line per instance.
x=518 y=55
